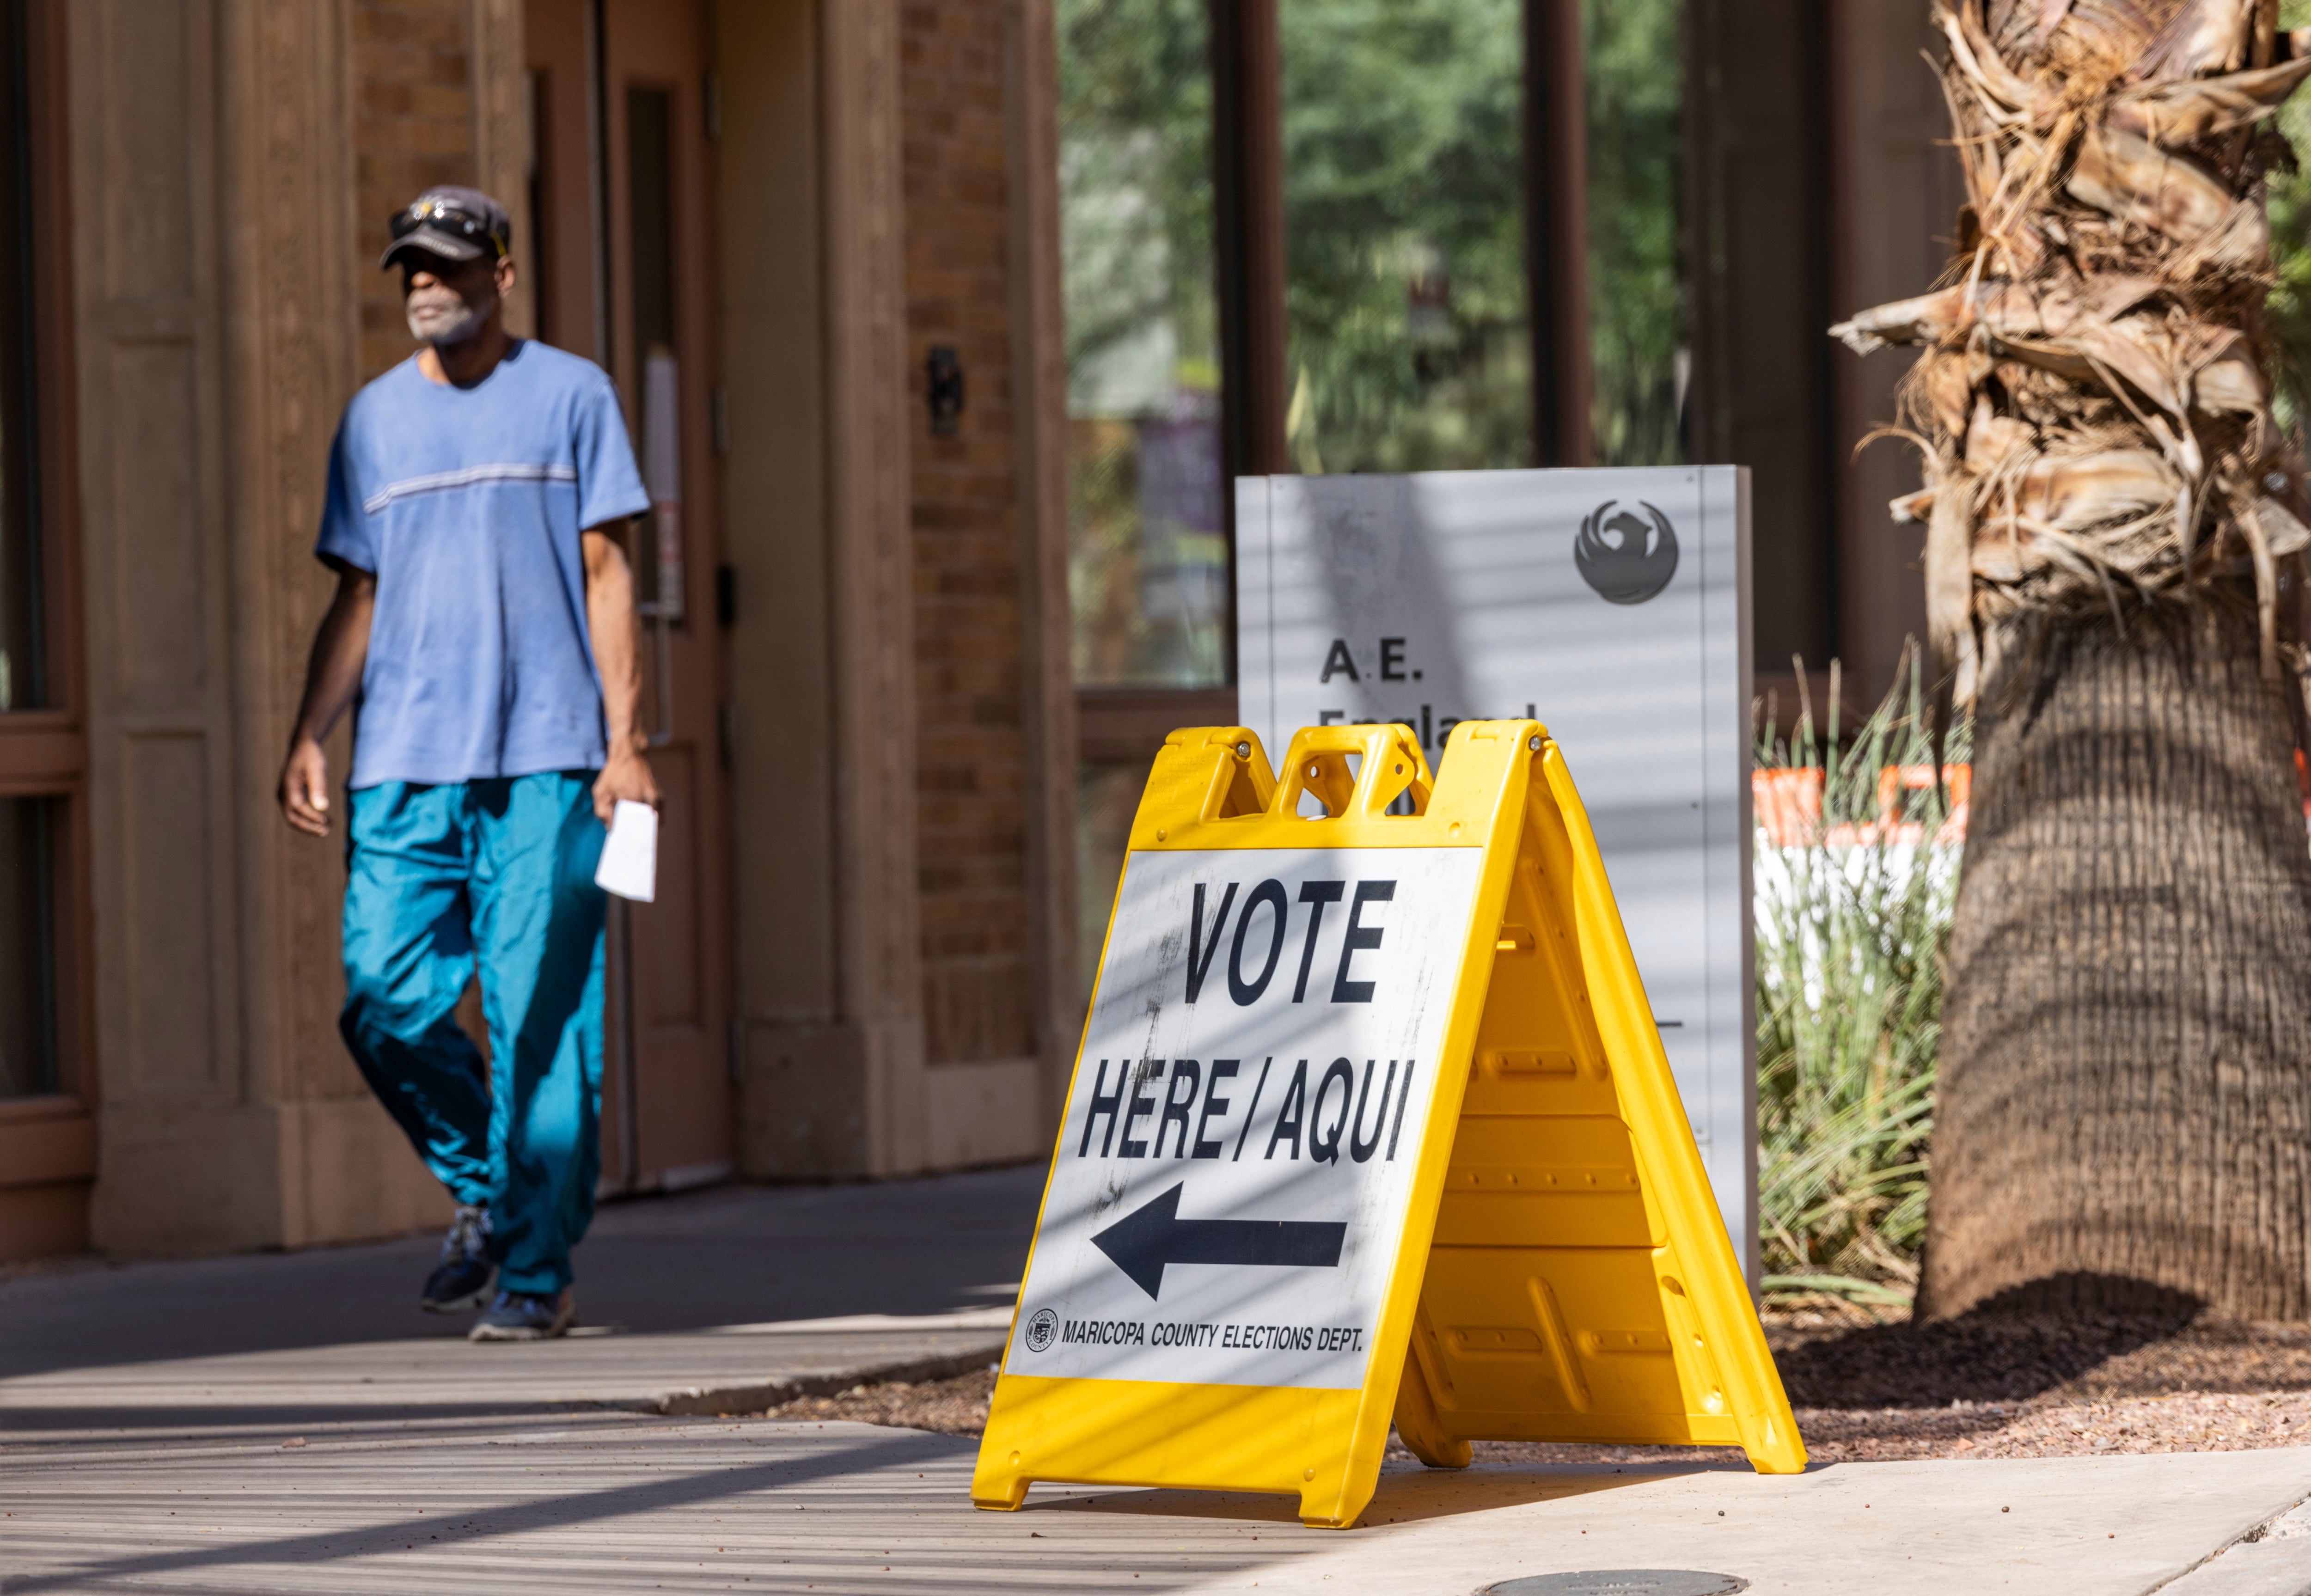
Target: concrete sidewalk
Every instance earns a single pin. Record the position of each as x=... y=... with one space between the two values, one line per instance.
x=730 y=1255
x=610 y=1503
x=739 y=1369
x=720 y=1301
x=290 y=1423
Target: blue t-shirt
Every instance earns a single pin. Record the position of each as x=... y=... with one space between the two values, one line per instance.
x=466 y=504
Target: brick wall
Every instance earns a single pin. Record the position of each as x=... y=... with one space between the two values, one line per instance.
x=977 y=975
x=412 y=128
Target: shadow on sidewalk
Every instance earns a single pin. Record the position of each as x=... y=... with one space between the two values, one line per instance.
x=1407 y=1494
x=727 y=1256
x=624 y=1500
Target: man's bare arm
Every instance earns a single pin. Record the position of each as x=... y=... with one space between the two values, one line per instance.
x=332 y=677
x=615 y=629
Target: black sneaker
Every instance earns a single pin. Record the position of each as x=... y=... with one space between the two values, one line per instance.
x=461 y=1279
x=526 y=1316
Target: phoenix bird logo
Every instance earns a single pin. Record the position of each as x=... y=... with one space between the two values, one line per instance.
x=1624 y=559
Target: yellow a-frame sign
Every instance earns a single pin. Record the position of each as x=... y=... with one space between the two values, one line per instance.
x=1371 y=1121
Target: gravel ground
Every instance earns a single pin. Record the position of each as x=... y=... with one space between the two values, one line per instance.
x=1873 y=1389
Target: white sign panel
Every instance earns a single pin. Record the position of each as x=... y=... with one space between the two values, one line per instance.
x=1612 y=606
x=1258 y=1072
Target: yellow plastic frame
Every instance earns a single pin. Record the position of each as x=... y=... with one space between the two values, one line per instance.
x=1695 y=1368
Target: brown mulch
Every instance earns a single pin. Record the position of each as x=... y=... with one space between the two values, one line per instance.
x=1873 y=1388
x=957 y=1407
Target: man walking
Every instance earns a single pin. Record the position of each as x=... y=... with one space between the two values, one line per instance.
x=485 y=626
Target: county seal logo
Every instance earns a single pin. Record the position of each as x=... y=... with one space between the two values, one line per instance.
x=1626 y=560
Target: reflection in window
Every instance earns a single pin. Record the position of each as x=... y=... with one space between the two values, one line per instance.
x=1149 y=566
x=1639 y=319
x=28 y=1051
x=1406 y=304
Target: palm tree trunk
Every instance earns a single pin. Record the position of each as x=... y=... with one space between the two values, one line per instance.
x=2127 y=1044
x=2125 y=1095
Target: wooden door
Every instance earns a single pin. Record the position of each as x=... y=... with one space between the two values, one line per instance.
x=621 y=273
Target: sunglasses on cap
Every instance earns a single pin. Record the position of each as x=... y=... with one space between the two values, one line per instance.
x=449 y=217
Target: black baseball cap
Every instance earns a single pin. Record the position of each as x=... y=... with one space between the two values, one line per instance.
x=450 y=223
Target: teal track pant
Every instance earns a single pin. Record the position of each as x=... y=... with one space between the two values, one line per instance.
x=499 y=875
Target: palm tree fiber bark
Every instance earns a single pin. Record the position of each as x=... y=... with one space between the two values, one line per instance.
x=2125 y=1084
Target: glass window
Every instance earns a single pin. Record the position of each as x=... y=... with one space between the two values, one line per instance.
x=1640 y=337
x=649 y=178
x=1148 y=559
x=28 y=1049
x=1107 y=801
x=31 y=827
x=1405 y=314
x=23 y=674
x=538 y=112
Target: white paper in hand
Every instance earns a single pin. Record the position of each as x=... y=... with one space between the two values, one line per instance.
x=629 y=866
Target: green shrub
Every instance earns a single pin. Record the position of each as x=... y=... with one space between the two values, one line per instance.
x=1855 y=879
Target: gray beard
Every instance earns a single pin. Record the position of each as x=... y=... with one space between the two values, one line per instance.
x=455 y=328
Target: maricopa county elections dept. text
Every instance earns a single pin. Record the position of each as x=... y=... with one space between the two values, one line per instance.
x=1256 y=1079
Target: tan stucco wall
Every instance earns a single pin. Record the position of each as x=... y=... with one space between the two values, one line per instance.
x=232 y=163
x=906 y=952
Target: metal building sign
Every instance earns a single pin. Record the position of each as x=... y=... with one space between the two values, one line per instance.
x=1611 y=605
x=1371 y=1121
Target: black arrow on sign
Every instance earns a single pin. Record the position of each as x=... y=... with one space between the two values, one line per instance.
x=1142 y=1243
